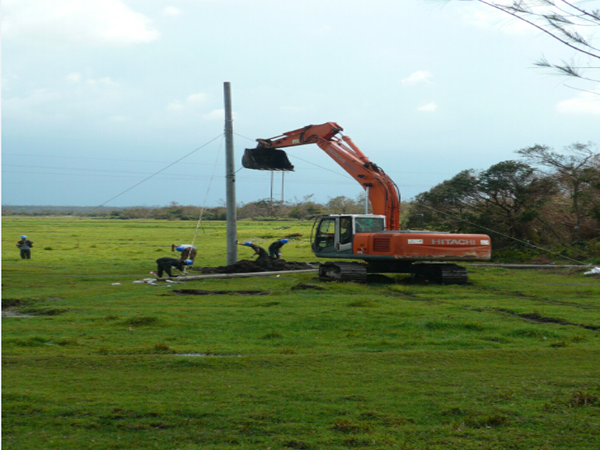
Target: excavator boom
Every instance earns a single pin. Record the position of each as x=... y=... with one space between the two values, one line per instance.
x=381 y=190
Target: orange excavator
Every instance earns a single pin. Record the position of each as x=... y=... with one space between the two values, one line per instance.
x=376 y=238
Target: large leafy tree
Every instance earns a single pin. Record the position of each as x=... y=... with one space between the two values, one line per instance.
x=506 y=198
x=344 y=205
x=451 y=205
x=577 y=173
x=512 y=195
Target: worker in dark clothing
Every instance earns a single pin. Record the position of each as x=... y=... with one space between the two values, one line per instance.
x=275 y=248
x=165 y=265
x=258 y=250
x=25 y=246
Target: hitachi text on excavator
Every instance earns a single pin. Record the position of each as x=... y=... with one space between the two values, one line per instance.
x=375 y=239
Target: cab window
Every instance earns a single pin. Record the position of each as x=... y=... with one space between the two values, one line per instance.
x=325 y=234
x=369 y=224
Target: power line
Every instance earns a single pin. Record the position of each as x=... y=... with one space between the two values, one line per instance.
x=188 y=163
x=106 y=179
x=72 y=169
x=94 y=159
x=161 y=170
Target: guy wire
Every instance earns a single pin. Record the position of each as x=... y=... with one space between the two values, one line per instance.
x=207 y=192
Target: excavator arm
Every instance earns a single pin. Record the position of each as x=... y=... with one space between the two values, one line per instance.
x=381 y=190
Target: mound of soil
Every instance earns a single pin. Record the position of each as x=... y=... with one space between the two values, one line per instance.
x=248 y=266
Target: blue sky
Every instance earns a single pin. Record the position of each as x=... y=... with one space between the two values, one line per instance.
x=98 y=96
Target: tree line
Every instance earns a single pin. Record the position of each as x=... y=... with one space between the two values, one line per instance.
x=546 y=199
x=267 y=209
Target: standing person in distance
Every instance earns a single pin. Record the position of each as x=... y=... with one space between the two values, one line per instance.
x=25 y=246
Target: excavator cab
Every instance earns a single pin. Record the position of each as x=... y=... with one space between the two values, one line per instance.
x=335 y=233
x=334 y=237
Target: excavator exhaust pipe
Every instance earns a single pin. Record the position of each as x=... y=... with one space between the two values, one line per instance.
x=266 y=159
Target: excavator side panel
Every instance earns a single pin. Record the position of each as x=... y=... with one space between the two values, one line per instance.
x=422 y=246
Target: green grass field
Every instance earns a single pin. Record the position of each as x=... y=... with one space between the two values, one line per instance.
x=508 y=361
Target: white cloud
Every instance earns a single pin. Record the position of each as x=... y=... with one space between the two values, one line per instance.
x=7 y=81
x=36 y=97
x=196 y=99
x=99 y=22
x=74 y=77
x=171 y=11
x=586 y=103
x=77 y=77
x=38 y=104
x=420 y=76
x=106 y=81
x=175 y=106
x=429 y=107
x=215 y=114
x=192 y=101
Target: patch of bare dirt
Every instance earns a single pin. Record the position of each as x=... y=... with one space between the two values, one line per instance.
x=201 y=292
x=249 y=266
x=304 y=286
x=538 y=318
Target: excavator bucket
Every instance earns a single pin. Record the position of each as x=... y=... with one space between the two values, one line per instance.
x=266 y=159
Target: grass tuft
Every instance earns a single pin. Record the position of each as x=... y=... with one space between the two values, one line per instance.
x=163 y=348
x=141 y=321
x=43 y=311
x=491 y=421
x=32 y=341
x=362 y=304
x=272 y=335
x=296 y=444
x=348 y=426
x=580 y=398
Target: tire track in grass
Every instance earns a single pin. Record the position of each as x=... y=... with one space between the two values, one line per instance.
x=530 y=317
x=498 y=292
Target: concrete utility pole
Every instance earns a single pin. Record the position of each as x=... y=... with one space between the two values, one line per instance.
x=230 y=177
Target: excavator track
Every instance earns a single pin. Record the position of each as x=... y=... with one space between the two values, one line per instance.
x=342 y=271
x=442 y=273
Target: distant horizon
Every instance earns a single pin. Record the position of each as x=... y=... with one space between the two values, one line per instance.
x=100 y=207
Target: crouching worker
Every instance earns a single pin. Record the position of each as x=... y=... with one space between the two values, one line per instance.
x=166 y=264
x=258 y=250
x=188 y=253
x=275 y=248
